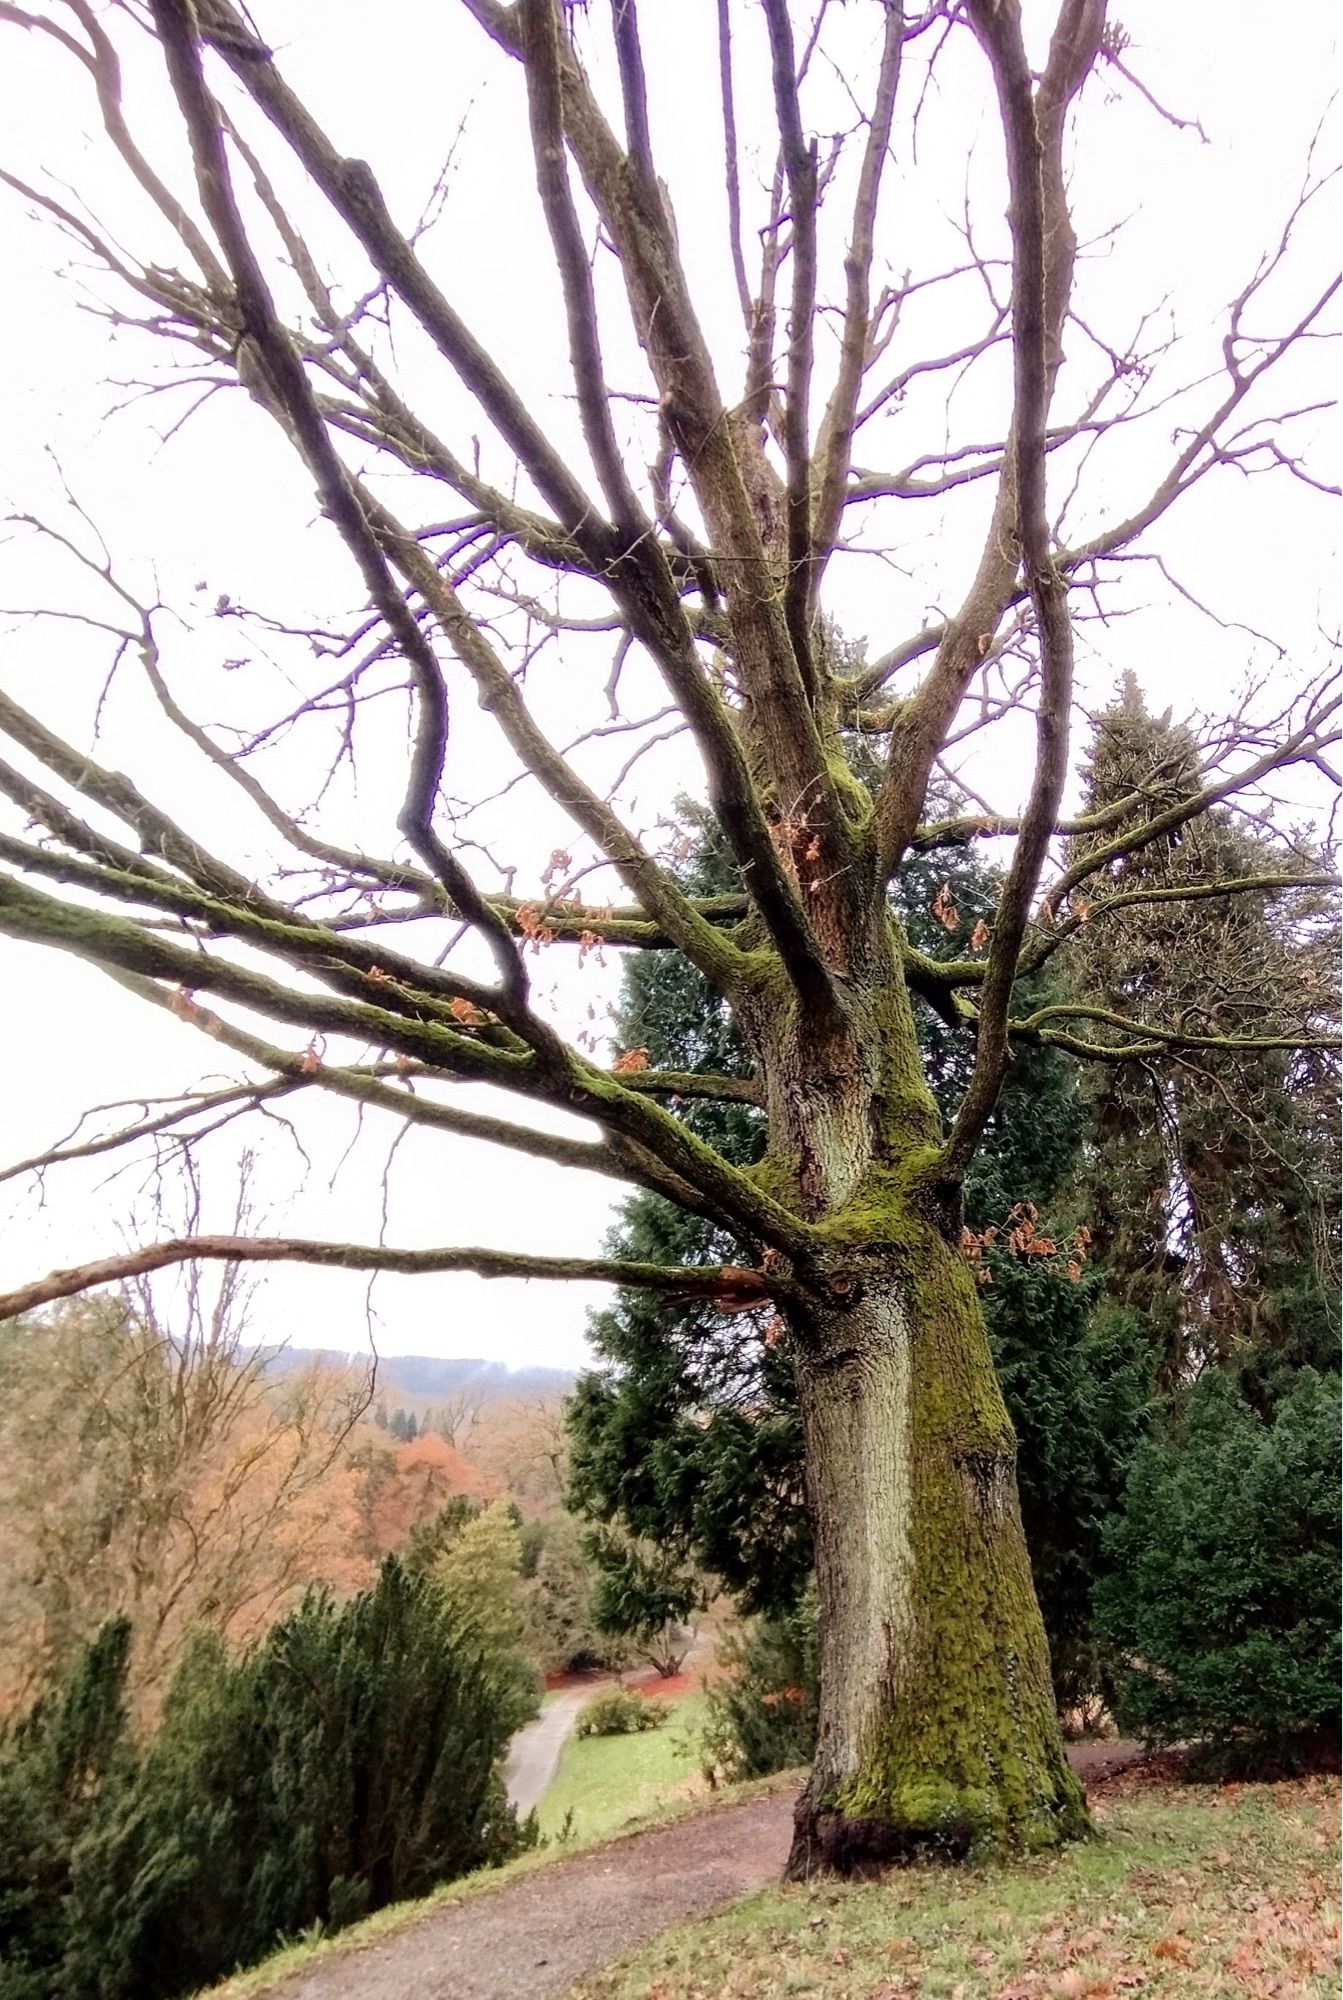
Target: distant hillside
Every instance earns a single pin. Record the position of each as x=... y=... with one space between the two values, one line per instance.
x=425 y=1377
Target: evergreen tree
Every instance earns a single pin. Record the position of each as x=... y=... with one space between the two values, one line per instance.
x=558 y=1599
x=1222 y=1594
x=1211 y=1183
x=428 y=1540
x=478 y=1576
x=59 y=1766
x=349 y=1760
x=644 y=1593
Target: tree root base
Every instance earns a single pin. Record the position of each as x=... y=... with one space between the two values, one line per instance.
x=826 y=1842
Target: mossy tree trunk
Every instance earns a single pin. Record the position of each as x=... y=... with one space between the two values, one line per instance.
x=937 y=1721
x=938 y=1730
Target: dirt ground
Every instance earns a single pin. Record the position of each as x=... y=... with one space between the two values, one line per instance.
x=534 y=1936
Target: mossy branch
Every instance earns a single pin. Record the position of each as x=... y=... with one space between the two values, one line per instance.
x=721 y=1281
x=561 y=1079
x=1146 y=1039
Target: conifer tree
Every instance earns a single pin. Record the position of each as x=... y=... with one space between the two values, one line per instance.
x=349 y=1760
x=1211 y=1180
x=478 y=1573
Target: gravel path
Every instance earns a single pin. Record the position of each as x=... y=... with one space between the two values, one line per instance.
x=534 y=1752
x=530 y=1938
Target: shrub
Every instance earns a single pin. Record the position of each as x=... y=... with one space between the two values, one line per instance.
x=762 y=1713
x=619 y=1712
x=1223 y=1592
x=58 y=1765
x=350 y=1759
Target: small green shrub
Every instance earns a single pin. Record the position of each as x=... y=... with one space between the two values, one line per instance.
x=619 y=1712
x=761 y=1715
x=1222 y=1597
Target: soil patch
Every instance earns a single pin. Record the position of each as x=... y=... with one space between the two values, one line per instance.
x=665 y=1687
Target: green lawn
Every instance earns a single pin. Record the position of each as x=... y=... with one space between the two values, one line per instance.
x=1187 y=1891
x=605 y=1781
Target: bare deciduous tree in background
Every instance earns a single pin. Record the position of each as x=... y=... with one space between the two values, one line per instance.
x=162 y=1474
x=697 y=525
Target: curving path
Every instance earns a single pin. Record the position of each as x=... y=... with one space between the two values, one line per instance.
x=530 y=1938
x=534 y=1753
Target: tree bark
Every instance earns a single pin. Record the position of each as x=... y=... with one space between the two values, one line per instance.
x=938 y=1732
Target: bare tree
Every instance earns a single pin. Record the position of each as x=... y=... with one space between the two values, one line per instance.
x=457 y=1414
x=522 y=1442
x=159 y=1471
x=697 y=529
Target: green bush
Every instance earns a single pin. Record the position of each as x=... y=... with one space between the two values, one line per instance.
x=761 y=1714
x=349 y=1760
x=1222 y=1596
x=619 y=1712
x=59 y=1765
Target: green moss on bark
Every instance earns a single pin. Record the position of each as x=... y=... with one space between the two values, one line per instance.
x=966 y=1754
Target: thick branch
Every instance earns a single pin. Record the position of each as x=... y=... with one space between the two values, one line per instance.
x=658 y=893
x=562 y=1079
x=175 y=21
x=835 y=444
x=542 y=66
x=736 y=489
x=726 y=1283
x=799 y=162
x=1042 y=285
x=1000 y=29
x=614 y=1157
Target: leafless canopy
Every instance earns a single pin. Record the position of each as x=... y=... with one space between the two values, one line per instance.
x=695 y=526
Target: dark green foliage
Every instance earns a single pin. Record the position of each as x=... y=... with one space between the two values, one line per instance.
x=1222 y=1595
x=562 y=1632
x=643 y=1593
x=477 y=1577
x=1077 y=1373
x=347 y=1761
x=58 y=1766
x=619 y=1712
x=1212 y=1185
x=762 y=1713
x=689 y=1437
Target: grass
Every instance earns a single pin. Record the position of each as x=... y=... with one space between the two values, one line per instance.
x=604 y=1782
x=1186 y=1891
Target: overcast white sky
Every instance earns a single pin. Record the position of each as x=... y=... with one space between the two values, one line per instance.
x=221 y=506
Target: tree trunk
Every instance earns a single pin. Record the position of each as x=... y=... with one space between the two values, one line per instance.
x=937 y=1724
